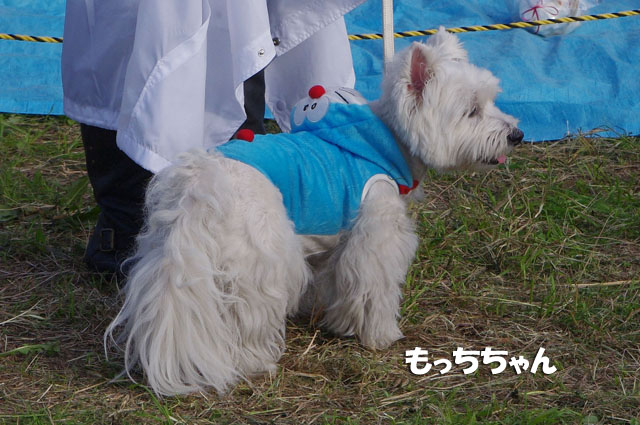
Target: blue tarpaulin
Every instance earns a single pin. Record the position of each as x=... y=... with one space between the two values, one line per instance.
x=30 y=72
x=556 y=85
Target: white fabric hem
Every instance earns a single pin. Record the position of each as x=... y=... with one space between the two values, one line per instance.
x=141 y=154
x=90 y=115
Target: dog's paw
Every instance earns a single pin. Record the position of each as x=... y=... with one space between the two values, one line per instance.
x=381 y=338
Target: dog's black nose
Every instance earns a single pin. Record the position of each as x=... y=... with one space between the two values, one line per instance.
x=515 y=137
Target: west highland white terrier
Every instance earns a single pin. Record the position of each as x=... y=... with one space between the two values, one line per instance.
x=233 y=244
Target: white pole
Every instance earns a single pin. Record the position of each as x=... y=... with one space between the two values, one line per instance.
x=387 y=30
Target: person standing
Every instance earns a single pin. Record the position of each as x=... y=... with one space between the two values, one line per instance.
x=149 y=79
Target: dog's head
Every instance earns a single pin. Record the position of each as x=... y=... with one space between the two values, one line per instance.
x=442 y=107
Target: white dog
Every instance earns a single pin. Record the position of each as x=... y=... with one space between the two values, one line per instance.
x=224 y=258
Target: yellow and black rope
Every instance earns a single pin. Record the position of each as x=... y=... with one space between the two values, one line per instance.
x=403 y=34
x=497 y=27
x=36 y=38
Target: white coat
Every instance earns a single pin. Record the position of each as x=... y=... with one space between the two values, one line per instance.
x=168 y=74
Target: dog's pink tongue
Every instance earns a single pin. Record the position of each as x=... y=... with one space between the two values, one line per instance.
x=502 y=159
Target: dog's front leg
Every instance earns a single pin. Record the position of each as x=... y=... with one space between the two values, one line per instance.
x=369 y=268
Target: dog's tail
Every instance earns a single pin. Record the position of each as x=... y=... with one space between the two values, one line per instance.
x=175 y=318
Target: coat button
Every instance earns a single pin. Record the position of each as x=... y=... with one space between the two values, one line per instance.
x=261 y=52
x=276 y=41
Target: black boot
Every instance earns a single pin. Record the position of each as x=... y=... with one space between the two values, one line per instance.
x=118 y=186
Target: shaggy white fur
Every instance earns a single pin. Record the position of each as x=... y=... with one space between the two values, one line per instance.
x=218 y=266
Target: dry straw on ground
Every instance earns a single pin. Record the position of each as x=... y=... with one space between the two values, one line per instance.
x=544 y=252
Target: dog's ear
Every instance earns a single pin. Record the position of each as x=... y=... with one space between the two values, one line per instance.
x=420 y=69
x=448 y=45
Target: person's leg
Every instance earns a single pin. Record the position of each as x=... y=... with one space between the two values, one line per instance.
x=118 y=185
x=254 y=103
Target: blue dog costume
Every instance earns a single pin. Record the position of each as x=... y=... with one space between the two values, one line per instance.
x=322 y=167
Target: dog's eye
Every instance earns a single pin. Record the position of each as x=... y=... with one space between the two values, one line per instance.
x=474 y=111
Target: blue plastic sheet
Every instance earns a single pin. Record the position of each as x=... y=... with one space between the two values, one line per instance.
x=557 y=85
x=30 y=72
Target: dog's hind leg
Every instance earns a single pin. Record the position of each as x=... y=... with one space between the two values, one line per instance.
x=270 y=273
x=363 y=278
x=216 y=270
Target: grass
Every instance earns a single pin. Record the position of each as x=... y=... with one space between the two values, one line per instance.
x=543 y=252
